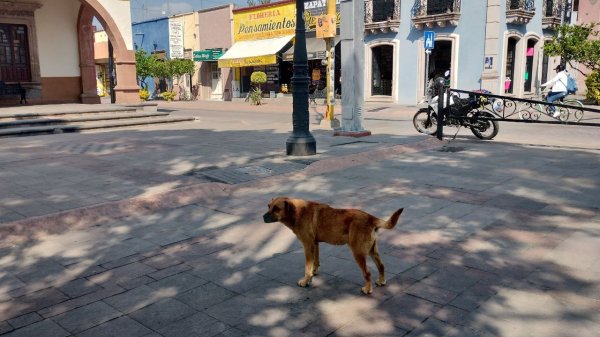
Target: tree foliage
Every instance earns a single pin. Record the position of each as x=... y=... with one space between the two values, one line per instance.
x=144 y=66
x=259 y=2
x=576 y=43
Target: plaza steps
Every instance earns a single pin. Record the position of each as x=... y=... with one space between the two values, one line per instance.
x=74 y=118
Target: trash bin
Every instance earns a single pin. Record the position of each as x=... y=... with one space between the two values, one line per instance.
x=226 y=95
x=272 y=94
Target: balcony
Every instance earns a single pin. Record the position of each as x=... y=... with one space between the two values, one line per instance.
x=519 y=12
x=552 y=13
x=433 y=13
x=382 y=16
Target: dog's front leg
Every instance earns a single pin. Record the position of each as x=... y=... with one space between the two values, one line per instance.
x=309 y=263
x=316 y=264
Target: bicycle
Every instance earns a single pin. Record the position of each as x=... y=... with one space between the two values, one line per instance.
x=533 y=111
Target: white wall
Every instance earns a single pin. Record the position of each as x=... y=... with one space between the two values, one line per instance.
x=56 y=26
x=121 y=14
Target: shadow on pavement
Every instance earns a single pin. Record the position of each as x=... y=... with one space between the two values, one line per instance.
x=496 y=240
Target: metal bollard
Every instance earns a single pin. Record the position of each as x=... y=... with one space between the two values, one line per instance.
x=439 y=84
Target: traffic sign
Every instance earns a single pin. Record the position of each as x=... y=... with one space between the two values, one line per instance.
x=429 y=39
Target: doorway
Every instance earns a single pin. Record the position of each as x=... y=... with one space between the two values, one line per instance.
x=382 y=70
x=440 y=59
x=511 y=49
x=216 y=85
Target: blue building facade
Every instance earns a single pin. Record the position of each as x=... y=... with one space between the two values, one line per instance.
x=494 y=44
x=153 y=37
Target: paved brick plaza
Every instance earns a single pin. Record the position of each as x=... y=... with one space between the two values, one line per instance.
x=158 y=232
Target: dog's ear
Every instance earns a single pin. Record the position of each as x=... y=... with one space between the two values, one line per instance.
x=290 y=210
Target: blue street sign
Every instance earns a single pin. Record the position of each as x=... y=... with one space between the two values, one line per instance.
x=429 y=39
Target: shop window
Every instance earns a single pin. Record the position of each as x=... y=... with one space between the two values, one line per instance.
x=529 y=60
x=14 y=53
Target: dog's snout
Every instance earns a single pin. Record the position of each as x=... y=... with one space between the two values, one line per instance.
x=268 y=217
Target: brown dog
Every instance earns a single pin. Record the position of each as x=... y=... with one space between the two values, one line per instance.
x=313 y=222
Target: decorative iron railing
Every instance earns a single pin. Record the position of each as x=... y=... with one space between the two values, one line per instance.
x=528 y=5
x=382 y=16
x=435 y=12
x=552 y=8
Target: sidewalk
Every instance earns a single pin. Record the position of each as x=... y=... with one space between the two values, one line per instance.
x=159 y=232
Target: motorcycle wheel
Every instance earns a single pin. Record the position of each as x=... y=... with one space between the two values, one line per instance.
x=485 y=129
x=423 y=123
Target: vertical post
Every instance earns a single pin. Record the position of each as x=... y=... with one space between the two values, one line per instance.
x=111 y=73
x=441 y=90
x=301 y=142
x=427 y=88
x=330 y=47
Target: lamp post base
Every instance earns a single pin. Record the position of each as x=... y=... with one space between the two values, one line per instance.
x=305 y=145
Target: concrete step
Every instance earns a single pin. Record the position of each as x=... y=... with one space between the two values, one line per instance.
x=83 y=126
x=20 y=114
x=77 y=118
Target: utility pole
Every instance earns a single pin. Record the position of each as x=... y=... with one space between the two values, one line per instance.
x=330 y=49
x=301 y=142
x=353 y=68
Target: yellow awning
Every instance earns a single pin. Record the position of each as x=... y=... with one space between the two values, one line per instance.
x=254 y=53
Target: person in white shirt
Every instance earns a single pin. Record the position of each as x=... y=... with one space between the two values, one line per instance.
x=559 y=88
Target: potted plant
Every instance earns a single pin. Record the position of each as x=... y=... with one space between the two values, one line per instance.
x=257 y=78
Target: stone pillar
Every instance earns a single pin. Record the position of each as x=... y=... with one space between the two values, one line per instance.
x=126 y=89
x=490 y=77
x=87 y=65
x=353 y=68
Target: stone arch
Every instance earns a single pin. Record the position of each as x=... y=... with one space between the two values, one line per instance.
x=126 y=88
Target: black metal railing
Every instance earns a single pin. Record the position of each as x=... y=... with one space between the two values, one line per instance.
x=512 y=109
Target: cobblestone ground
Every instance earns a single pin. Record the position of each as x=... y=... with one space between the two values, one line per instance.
x=159 y=233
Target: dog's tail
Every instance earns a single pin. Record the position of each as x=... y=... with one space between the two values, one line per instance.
x=391 y=223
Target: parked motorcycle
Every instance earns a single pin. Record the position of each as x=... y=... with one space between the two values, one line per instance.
x=464 y=112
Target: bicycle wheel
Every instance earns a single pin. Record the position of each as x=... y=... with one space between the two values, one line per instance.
x=576 y=110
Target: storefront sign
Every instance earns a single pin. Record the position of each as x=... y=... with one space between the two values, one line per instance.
x=208 y=54
x=176 y=39
x=317 y=55
x=264 y=22
x=315 y=8
x=326 y=26
x=248 y=61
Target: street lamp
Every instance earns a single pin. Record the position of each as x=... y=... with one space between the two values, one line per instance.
x=301 y=142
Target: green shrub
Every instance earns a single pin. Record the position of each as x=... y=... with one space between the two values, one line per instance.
x=256 y=96
x=593 y=87
x=258 y=77
x=168 y=96
x=144 y=95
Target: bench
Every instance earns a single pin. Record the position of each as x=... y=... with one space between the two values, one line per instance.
x=317 y=94
x=13 y=89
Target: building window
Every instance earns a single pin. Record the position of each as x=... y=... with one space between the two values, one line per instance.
x=14 y=54
x=510 y=65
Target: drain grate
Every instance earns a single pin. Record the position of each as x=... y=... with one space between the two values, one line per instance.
x=451 y=149
x=241 y=174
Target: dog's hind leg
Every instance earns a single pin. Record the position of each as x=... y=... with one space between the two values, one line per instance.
x=361 y=259
x=374 y=253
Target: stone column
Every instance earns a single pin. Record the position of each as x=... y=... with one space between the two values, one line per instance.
x=87 y=65
x=126 y=89
x=490 y=77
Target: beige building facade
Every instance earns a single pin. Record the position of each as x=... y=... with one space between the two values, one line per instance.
x=49 y=47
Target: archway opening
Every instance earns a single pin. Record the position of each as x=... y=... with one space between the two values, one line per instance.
x=530 y=72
